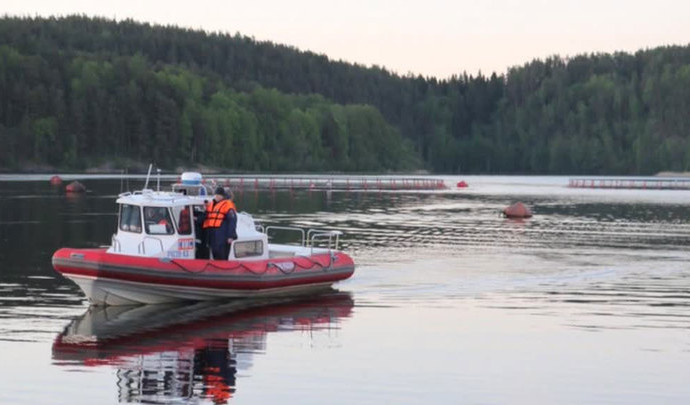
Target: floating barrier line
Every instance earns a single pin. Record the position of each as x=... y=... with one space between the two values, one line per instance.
x=630 y=183
x=369 y=183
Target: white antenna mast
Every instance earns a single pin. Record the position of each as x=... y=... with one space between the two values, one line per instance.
x=147 y=177
x=158 y=185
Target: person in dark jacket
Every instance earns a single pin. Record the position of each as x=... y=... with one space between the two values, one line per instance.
x=220 y=224
x=201 y=241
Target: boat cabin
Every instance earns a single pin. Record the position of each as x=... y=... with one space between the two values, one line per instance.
x=162 y=224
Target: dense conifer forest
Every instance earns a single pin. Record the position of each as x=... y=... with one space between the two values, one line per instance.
x=77 y=91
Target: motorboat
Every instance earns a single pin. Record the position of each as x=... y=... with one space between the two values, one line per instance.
x=152 y=257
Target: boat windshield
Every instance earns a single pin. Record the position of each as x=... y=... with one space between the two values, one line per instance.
x=248 y=248
x=130 y=218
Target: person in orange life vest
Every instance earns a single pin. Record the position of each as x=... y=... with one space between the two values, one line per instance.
x=157 y=216
x=220 y=224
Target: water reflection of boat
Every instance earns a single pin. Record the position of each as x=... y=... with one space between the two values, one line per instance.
x=173 y=352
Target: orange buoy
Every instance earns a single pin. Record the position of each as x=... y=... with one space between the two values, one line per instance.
x=517 y=210
x=75 y=187
x=462 y=184
x=56 y=180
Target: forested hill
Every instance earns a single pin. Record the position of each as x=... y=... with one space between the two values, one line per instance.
x=77 y=91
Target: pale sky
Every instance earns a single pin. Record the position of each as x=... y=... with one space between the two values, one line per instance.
x=430 y=37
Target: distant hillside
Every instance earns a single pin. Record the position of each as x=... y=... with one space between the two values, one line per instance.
x=77 y=91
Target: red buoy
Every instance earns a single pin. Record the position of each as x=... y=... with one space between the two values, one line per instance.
x=75 y=187
x=56 y=180
x=462 y=184
x=517 y=210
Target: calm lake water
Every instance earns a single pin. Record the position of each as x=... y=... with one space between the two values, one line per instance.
x=588 y=302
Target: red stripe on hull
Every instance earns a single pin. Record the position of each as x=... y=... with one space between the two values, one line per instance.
x=216 y=274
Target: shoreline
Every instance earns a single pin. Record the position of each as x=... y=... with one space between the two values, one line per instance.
x=672 y=174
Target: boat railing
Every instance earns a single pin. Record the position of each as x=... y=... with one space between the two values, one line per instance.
x=322 y=232
x=145 y=191
x=316 y=234
x=288 y=228
x=141 y=248
x=115 y=243
x=309 y=238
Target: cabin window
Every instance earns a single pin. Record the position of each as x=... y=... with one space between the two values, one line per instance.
x=157 y=221
x=130 y=218
x=249 y=248
x=183 y=219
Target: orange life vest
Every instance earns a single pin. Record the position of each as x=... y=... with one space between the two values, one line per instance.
x=216 y=212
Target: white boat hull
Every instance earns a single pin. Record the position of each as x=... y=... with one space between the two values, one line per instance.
x=102 y=291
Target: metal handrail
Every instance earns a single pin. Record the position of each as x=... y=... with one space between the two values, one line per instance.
x=288 y=228
x=324 y=235
x=324 y=231
x=141 y=248
x=117 y=247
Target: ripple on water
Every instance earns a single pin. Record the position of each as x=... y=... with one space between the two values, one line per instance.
x=630 y=299
x=34 y=308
